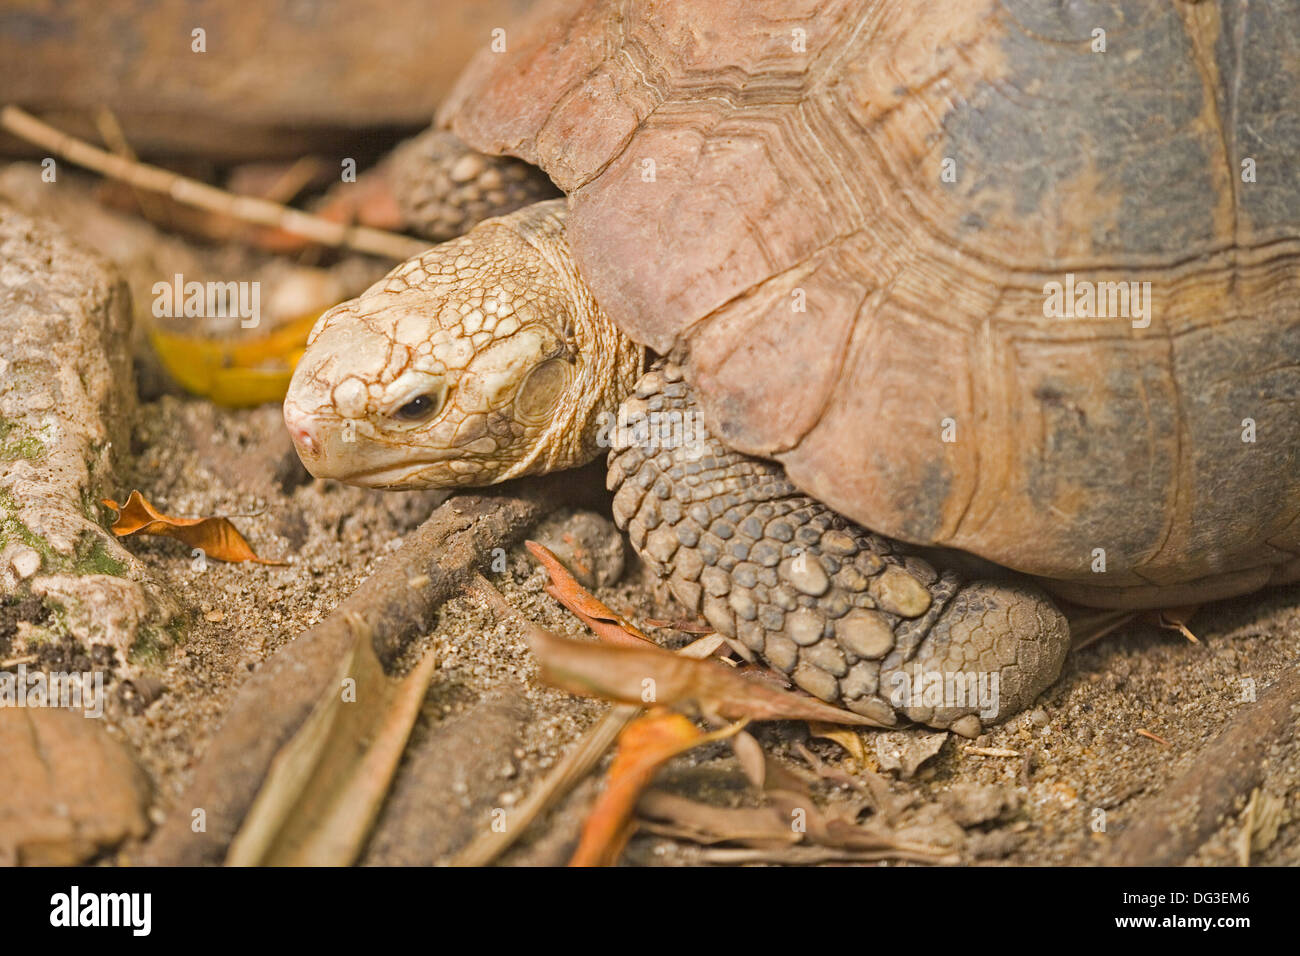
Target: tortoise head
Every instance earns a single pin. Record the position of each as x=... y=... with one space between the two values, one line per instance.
x=482 y=359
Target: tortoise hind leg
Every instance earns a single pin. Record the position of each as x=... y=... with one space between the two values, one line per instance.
x=993 y=650
x=444 y=188
x=850 y=616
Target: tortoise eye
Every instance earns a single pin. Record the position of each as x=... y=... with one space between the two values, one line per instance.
x=419 y=408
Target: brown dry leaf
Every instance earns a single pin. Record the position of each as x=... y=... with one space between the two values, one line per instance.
x=216 y=537
x=609 y=626
x=620 y=673
x=792 y=820
x=814 y=855
x=326 y=784
x=1261 y=821
x=685 y=819
x=848 y=739
x=644 y=746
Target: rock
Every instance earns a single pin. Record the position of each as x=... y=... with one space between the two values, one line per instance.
x=71 y=791
x=24 y=561
x=971 y=803
x=586 y=543
x=906 y=750
x=66 y=404
x=931 y=825
x=136 y=695
x=995 y=844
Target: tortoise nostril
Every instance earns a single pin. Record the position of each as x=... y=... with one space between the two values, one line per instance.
x=299 y=424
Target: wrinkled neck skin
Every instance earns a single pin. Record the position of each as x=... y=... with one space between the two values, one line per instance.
x=606 y=362
x=483 y=359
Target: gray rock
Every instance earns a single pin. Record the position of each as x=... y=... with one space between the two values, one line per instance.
x=66 y=402
x=587 y=544
x=971 y=803
x=906 y=750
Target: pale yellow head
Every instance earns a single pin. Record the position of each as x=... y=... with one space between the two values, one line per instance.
x=482 y=359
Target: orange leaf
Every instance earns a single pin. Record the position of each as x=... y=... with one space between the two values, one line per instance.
x=645 y=745
x=216 y=537
x=608 y=625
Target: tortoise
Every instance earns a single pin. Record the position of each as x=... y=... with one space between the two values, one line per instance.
x=1012 y=285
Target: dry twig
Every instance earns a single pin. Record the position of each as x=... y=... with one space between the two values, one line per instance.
x=191 y=192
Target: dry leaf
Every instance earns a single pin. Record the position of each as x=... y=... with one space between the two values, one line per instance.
x=326 y=785
x=682 y=818
x=846 y=738
x=216 y=537
x=814 y=855
x=793 y=820
x=574 y=766
x=644 y=746
x=1261 y=820
x=608 y=625
x=236 y=374
x=621 y=672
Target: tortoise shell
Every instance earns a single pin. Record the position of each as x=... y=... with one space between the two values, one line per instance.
x=1013 y=277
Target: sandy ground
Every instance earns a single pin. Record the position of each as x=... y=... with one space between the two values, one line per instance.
x=1079 y=751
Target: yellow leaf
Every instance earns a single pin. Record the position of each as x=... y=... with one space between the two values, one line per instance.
x=239 y=373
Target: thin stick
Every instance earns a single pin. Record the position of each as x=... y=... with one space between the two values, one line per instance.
x=991 y=751
x=191 y=192
x=811 y=855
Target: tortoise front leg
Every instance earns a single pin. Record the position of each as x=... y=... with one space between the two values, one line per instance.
x=852 y=617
